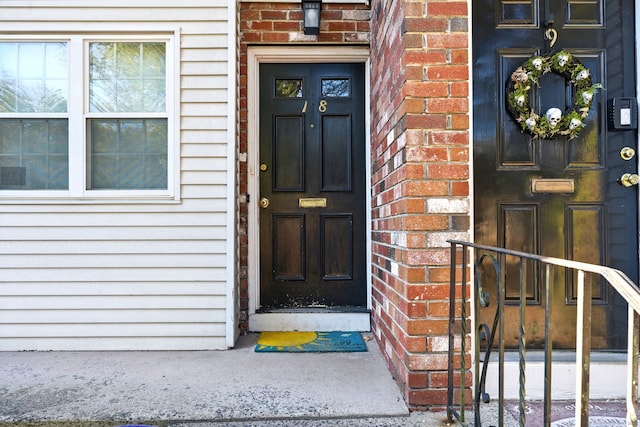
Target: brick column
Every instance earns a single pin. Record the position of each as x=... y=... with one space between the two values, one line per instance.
x=420 y=170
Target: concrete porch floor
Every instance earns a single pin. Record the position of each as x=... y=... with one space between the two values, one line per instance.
x=197 y=388
x=223 y=388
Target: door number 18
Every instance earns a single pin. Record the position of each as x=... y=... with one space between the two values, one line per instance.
x=322 y=107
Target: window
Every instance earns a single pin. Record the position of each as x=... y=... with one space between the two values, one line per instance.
x=109 y=136
x=33 y=116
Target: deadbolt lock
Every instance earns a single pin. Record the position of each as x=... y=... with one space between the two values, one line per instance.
x=627 y=153
x=263 y=167
x=629 y=179
x=264 y=203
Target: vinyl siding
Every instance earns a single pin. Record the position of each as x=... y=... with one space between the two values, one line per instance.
x=130 y=275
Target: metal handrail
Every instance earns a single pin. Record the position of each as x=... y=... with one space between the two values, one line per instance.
x=458 y=333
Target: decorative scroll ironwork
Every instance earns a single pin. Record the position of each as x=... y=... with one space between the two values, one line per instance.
x=487 y=257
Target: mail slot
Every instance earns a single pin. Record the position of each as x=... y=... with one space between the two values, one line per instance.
x=312 y=202
x=552 y=185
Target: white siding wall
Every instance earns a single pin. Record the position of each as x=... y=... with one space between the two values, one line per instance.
x=153 y=275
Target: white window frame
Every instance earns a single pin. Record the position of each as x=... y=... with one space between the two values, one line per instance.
x=78 y=114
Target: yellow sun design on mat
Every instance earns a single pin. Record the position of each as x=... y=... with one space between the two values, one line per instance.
x=280 y=340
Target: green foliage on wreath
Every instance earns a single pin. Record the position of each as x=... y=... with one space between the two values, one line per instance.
x=528 y=75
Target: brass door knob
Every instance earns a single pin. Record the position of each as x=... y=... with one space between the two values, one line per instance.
x=264 y=203
x=629 y=179
x=627 y=153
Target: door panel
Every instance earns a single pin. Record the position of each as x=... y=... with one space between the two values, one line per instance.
x=312 y=162
x=594 y=222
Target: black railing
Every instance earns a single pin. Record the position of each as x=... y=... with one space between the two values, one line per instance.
x=465 y=328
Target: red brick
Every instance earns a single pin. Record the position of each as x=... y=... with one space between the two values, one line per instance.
x=437 y=171
x=427 y=362
x=459 y=154
x=417 y=380
x=276 y=37
x=341 y=26
x=419 y=310
x=425 y=121
x=447 y=41
x=438 y=309
x=261 y=26
x=448 y=138
x=459 y=189
x=425 y=188
x=427 y=25
x=415 y=105
x=413 y=170
x=287 y=26
x=427 y=292
x=435 y=154
x=414 y=72
x=447 y=8
x=460 y=121
x=459 y=89
x=413 y=40
x=273 y=15
x=459 y=56
x=417 y=241
x=428 y=256
x=425 y=57
x=428 y=327
x=249 y=15
x=447 y=72
x=413 y=274
x=447 y=105
x=414 y=9
x=426 y=89
x=425 y=222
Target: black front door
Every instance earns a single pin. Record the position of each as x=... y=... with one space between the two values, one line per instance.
x=312 y=186
x=555 y=197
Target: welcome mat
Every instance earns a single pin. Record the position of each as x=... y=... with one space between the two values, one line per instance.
x=300 y=342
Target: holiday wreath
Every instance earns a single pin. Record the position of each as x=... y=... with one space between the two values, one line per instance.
x=554 y=122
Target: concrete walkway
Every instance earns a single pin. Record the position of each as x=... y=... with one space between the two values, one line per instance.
x=236 y=387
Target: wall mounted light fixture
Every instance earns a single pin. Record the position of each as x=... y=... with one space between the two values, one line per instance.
x=311 y=10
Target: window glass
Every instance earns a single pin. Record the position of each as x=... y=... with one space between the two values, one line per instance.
x=34 y=154
x=289 y=88
x=33 y=77
x=336 y=87
x=128 y=154
x=127 y=77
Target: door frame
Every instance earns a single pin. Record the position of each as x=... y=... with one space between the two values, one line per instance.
x=284 y=321
x=605 y=364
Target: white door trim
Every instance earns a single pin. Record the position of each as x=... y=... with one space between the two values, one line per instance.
x=295 y=320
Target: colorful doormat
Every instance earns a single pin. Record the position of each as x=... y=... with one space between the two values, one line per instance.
x=300 y=342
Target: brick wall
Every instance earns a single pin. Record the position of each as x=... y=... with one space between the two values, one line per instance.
x=420 y=169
